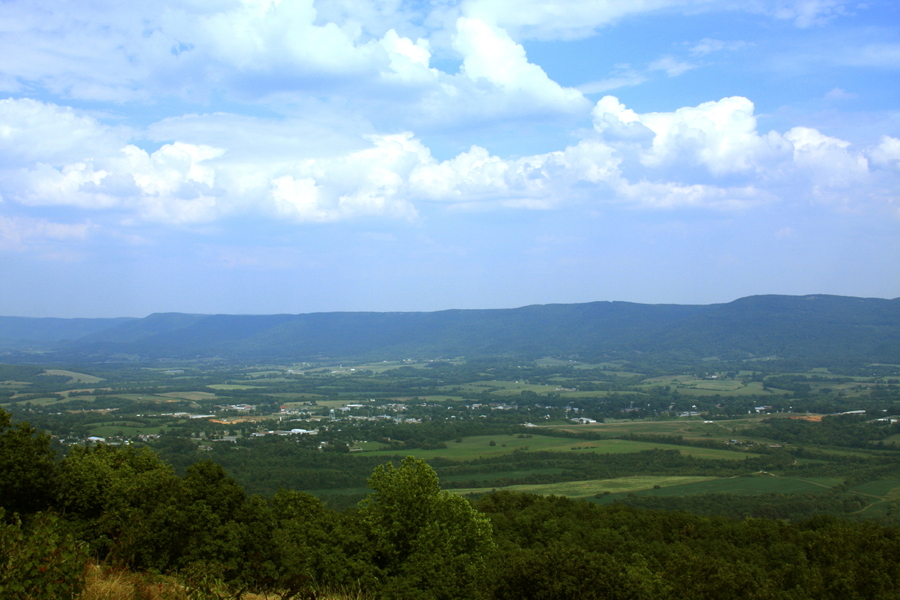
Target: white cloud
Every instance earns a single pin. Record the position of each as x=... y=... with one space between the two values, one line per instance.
x=674 y=195
x=710 y=155
x=409 y=60
x=886 y=153
x=19 y=233
x=364 y=183
x=671 y=65
x=491 y=56
x=806 y=13
x=830 y=161
x=710 y=45
x=549 y=19
x=34 y=131
x=627 y=76
x=574 y=19
x=625 y=79
x=839 y=94
x=720 y=136
x=871 y=55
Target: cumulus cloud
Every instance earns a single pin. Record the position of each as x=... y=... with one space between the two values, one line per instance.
x=720 y=136
x=674 y=195
x=364 y=183
x=710 y=155
x=492 y=57
x=36 y=131
x=887 y=153
x=830 y=161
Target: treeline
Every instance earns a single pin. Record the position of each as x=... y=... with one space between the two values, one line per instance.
x=851 y=431
x=554 y=548
x=789 y=507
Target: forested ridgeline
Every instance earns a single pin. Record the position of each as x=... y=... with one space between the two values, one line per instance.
x=409 y=539
x=821 y=327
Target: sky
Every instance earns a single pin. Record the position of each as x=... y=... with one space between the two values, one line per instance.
x=296 y=156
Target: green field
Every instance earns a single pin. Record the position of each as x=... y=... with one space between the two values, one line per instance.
x=233 y=386
x=40 y=401
x=479 y=447
x=672 y=486
x=161 y=398
x=584 y=489
x=73 y=376
x=886 y=489
x=752 y=485
x=502 y=475
x=191 y=396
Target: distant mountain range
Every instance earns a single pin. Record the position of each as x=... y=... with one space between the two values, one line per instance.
x=817 y=327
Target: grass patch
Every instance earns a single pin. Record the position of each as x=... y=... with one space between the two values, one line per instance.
x=73 y=376
x=585 y=489
x=38 y=401
x=752 y=485
x=502 y=475
x=190 y=396
x=480 y=447
x=232 y=386
x=886 y=489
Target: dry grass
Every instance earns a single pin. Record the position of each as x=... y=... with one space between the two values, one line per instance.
x=106 y=583
x=103 y=583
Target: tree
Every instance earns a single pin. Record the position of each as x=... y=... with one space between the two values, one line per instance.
x=126 y=503
x=27 y=467
x=430 y=543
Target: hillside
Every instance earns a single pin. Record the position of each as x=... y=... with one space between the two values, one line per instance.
x=805 y=327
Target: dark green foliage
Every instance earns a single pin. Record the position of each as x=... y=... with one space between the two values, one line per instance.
x=39 y=560
x=853 y=431
x=792 y=507
x=557 y=571
x=27 y=467
x=676 y=555
x=428 y=542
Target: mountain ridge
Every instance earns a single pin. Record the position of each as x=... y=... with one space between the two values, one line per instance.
x=814 y=326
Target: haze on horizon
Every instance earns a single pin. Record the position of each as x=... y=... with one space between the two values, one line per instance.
x=292 y=156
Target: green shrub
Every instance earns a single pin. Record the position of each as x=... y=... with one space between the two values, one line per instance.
x=38 y=560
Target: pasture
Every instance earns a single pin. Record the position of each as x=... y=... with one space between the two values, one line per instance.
x=663 y=485
x=480 y=447
x=189 y=396
x=233 y=386
x=73 y=376
x=590 y=488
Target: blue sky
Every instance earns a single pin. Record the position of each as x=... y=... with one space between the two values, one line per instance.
x=292 y=156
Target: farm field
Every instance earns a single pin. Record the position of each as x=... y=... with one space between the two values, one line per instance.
x=73 y=376
x=586 y=489
x=233 y=386
x=192 y=396
x=671 y=486
x=480 y=447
